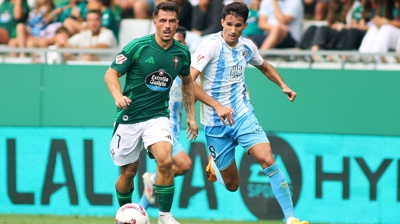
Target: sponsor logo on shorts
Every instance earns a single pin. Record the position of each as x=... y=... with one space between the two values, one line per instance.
x=120 y=59
x=169 y=137
x=112 y=151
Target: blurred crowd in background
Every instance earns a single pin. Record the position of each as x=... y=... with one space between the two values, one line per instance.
x=367 y=26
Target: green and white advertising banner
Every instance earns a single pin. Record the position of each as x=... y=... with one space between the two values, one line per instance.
x=333 y=178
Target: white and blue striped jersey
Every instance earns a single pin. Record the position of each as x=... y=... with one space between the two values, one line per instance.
x=175 y=107
x=222 y=74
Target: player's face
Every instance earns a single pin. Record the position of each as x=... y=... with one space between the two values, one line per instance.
x=166 y=23
x=232 y=29
x=179 y=37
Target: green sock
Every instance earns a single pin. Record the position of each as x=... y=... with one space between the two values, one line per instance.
x=165 y=196
x=124 y=198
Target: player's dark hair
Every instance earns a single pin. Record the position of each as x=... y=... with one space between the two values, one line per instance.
x=237 y=9
x=181 y=30
x=166 y=6
x=94 y=11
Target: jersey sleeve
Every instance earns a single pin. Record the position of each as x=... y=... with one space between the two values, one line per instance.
x=107 y=37
x=75 y=39
x=203 y=55
x=125 y=59
x=256 y=58
x=187 y=61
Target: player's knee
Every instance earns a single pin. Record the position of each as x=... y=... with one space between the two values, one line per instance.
x=128 y=173
x=185 y=167
x=232 y=186
x=164 y=166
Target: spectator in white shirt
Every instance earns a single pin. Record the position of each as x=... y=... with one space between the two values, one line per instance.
x=93 y=38
x=282 y=22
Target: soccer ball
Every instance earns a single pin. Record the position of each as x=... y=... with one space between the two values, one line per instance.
x=132 y=213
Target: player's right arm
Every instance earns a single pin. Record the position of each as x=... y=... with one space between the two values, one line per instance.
x=114 y=86
x=120 y=66
x=222 y=111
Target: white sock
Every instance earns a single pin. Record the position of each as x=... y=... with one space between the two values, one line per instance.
x=163 y=213
x=217 y=173
x=290 y=219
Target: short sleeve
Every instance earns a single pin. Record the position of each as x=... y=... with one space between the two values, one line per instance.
x=293 y=8
x=75 y=39
x=265 y=4
x=186 y=66
x=256 y=58
x=203 y=55
x=357 y=13
x=107 y=37
x=126 y=58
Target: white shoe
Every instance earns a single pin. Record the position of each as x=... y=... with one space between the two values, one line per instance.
x=167 y=219
x=149 y=191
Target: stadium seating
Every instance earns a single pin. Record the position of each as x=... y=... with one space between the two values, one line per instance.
x=133 y=28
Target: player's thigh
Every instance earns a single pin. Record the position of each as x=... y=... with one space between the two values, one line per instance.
x=221 y=145
x=176 y=147
x=182 y=161
x=249 y=132
x=263 y=154
x=126 y=144
x=129 y=170
x=251 y=136
x=230 y=175
x=157 y=138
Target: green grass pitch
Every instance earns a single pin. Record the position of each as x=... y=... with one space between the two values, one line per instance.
x=47 y=219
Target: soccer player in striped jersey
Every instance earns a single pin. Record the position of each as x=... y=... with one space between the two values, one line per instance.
x=220 y=62
x=151 y=63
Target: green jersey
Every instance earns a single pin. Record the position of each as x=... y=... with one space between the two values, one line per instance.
x=67 y=11
x=7 y=20
x=252 y=24
x=150 y=71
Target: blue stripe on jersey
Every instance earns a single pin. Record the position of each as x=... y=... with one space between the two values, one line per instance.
x=217 y=82
x=245 y=98
x=233 y=97
x=175 y=118
x=249 y=54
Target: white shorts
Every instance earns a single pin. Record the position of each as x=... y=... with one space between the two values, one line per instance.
x=129 y=139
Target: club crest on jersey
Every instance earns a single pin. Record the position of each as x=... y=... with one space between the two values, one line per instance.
x=245 y=54
x=175 y=60
x=159 y=80
x=120 y=59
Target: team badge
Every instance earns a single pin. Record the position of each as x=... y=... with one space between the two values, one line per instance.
x=120 y=59
x=175 y=60
x=245 y=53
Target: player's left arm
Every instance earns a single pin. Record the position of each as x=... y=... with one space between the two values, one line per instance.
x=188 y=99
x=272 y=74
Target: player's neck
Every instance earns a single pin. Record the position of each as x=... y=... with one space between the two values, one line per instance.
x=162 y=43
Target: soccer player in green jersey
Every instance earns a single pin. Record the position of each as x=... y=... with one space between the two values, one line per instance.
x=150 y=63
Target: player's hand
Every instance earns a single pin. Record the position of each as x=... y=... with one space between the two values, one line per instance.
x=192 y=130
x=225 y=113
x=291 y=95
x=122 y=102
